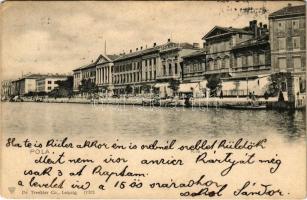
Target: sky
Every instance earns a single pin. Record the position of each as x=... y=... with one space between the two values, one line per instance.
x=59 y=36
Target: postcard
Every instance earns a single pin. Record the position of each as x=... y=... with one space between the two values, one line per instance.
x=153 y=99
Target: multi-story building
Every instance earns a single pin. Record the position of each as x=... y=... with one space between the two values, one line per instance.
x=219 y=42
x=240 y=57
x=288 y=49
x=171 y=67
x=136 y=70
x=86 y=72
x=26 y=84
x=252 y=65
x=150 y=69
x=47 y=83
x=6 y=89
x=194 y=66
x=104 y=70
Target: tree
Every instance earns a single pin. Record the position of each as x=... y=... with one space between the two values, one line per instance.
x=174 y=85
x=277 y=83
x=64 y=89
x=146 y=88
x=214 y=83
x=128 y=89
x=88 y=87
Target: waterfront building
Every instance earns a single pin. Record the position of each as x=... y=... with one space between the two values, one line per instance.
x=47 y=83
x=135 y=72
x=6 y=89
x=86 y=72
x=104 y=70
x=288 y=49
x=239 y=57
x=149 y=70
x=193 y=80
x=171 y=67
x=26 y=84
x=252 y=65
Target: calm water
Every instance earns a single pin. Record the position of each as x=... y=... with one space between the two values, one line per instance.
x=142 y=123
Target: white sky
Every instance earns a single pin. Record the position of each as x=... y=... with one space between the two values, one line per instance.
x=56 y=37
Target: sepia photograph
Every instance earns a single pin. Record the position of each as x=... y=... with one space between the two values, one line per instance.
x=153 y=99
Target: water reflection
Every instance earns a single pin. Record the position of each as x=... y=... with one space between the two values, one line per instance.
x=146 y=122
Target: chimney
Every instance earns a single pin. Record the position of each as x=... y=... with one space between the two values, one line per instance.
x=169 y=40
x=196 y=45
x=255 y=28
x=141 y=48
x=130 y=50
x=155 y=44
x=137 y=49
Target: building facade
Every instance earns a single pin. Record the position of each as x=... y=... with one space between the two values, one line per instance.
x=288 y=45
x=136 y=72
x=6 y=89
x=194 y=67
x=104 y=71
x=150 y=70
x=48 y=83
x=240 y=57
x=25 y=84
x=86 y=72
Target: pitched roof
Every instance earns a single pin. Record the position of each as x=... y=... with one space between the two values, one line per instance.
x=289 y=10
x=195 y=53
x=137 y=53
x=113 y=57
x=227 y=30
x=109 y=58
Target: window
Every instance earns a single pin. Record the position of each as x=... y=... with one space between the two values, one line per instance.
x=261 y=59
x=49 y=82
x=240 y=35
x=295 y=24
x=282 y=43
x=239 y=62
x=154 y=61
x=164 y=70
x=211 y=65
x=219 y=63
x=226 y=62
x=282 y=63
x=170 y=69
x=150 y=62
x=302 y=82
x=215 y=64
x=281 y=26
x=145 y=62
x=296 y=42
x=250 y=60
x=176 y=70
x=297 y=63
x=49 y=88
